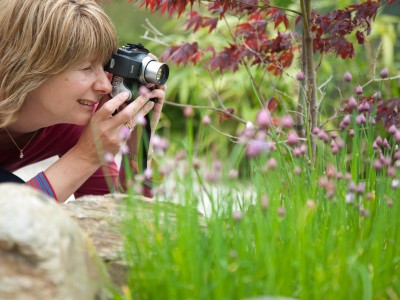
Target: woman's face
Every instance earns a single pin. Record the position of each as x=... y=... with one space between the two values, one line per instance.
x=69 y=97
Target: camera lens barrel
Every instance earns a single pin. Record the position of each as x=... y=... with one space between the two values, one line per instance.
x=154 y=71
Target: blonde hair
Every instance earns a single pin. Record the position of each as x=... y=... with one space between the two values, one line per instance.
x=41 y=38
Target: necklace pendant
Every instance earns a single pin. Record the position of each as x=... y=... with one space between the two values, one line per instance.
x=21 y=155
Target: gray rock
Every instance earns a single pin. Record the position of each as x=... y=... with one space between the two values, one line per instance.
x=43 y=254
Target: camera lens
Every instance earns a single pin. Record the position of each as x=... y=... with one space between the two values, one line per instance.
x=156 y=72
x=162 y=74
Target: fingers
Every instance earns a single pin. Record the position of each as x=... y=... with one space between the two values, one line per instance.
x=108 y=107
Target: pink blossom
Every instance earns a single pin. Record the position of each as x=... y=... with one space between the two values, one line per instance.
x=125 y=133
x=188 y=111
x=206 y=120
x=287 y=121
x=322 y=135
x=360 y=119
x=384 y=73
x=352 y=103
x=233 y=174
x=292 y=138
x=148 y=173
x=358 y=90
x=378 y=165
x=264 y=119
x=237 y=216
x=300 y=76
x=397 y=136
x=347 y=77
x=272 y=164
x=108 y=157
x=255 y=148
x=392 y=130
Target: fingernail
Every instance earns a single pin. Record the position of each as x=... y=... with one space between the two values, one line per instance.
x=126 y=95
x=149 y=104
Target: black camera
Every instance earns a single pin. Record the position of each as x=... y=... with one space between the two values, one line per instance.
x=132 y=67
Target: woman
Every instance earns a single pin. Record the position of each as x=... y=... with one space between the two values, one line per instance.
x=54 y=97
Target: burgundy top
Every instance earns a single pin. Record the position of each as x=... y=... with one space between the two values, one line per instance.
x=57 y=140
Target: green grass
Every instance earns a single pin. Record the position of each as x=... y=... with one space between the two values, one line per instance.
x=277 y=232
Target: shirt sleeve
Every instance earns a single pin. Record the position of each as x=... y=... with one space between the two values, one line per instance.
x=41 y=183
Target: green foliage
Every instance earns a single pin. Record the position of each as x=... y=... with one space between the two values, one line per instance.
x=291 y=230
x=272 y=224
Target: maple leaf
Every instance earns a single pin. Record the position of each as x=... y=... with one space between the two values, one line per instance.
x=182 y=53
x=388 y=112
x=229 y=58
x=278 y=17
x=360 y=37
x=194 y=20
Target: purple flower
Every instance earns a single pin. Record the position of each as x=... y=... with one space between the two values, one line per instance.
x=358 y=90
x=255 y=148
x=206 y=120
x=347 y=77
x=271 y=164
x=323 y=136
x=384 y=73
x=188 y=111
x=345 y=122
x=125 y=133
x=287 y=121
x=108 y=157
x=360 y=119
x=352 y=103
x=264 y=119
x=300 y=76
x=392 y=129
x=237 y=216
x=292 y=138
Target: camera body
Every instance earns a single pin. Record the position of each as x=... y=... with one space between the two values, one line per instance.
x=132 y=67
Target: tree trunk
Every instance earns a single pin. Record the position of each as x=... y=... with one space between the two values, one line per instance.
x=310 y=88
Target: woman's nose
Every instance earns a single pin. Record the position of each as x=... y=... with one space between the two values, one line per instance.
x=103 y=83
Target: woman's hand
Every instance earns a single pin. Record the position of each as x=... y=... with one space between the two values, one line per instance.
x=104 y=132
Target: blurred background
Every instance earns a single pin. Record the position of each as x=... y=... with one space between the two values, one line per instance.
x=195 y=85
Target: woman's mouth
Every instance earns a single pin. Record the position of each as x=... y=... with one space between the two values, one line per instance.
x=89 y=105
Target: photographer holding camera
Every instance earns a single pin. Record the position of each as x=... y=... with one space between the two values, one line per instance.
x=58 y=100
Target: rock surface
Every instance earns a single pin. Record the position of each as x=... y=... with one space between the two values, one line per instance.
x=43 y=253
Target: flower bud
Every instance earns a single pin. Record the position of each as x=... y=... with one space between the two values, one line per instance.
x=287 y=121
x=392 y=129
x=292 y=138
x=352 y=103
x=188 y=111
x=384 y=73
x=347 y=77
x=358 y=90
x=360 y=119
x=264 y=119
x=300 y=76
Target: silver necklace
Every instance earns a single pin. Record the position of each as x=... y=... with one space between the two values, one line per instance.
x=21 y=150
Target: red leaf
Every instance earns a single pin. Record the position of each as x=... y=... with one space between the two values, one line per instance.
x=272 y=105
x=182 y=54
x=194 y=20
x=388 y=112
x=226 y=116
x=227 y=59
x=360 y=37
